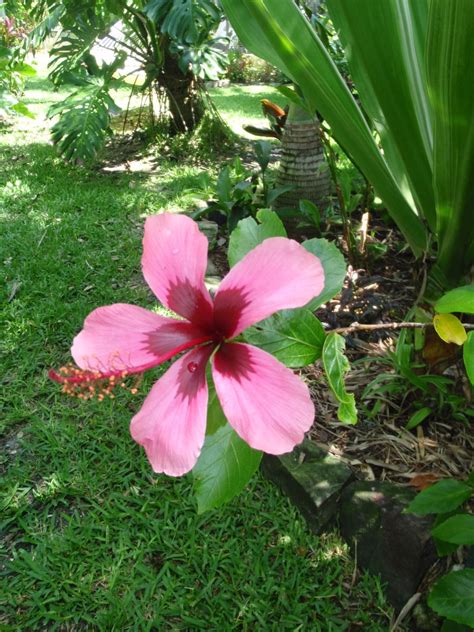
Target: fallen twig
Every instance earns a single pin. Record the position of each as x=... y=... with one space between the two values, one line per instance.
x=361 y=327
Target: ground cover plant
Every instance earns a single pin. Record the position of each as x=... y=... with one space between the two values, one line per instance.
x=89 y=536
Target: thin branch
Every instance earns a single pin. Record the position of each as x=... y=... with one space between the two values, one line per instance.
x=390 y=326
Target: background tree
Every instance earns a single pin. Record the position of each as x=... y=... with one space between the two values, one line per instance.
x=169 y=41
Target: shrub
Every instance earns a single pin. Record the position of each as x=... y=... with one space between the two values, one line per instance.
x=247 y=68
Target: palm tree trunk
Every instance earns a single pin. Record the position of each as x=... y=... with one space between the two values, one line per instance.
x=302 y=164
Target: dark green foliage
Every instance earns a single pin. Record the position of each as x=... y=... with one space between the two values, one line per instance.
x=184 y=20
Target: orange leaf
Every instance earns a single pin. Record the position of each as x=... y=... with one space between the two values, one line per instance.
x=422 y=481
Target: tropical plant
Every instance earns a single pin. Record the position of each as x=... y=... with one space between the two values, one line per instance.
x=414 y=138
x=170 y=48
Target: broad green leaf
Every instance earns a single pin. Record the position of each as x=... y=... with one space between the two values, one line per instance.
x=417 y=418
x=452 y=596
x=441 y=497
x=224 y=468
x=449 y=54
x=457 y=530
x=459 y=300
x=277 y=31
x=336 y=366
x=294 y=336
x=450 y=329
x=248 y=234
x=468 y=356
x=334 y=268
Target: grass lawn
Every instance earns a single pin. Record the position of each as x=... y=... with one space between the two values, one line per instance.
x=90 y=538
x=240 y=105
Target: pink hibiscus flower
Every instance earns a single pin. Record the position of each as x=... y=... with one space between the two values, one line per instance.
x=265 y=402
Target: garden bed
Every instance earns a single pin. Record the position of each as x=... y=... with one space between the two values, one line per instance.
x=379 y=447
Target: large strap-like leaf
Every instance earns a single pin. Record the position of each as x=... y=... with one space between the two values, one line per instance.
x=450 y=57
x=388 y=69
x=278 y=32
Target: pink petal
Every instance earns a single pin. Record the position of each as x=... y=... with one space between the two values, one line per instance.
x=174 y=264
x=172 y=421
x=265 y=402
x=118 y=337
x=277 y=274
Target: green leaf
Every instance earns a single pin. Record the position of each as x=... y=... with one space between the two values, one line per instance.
x=347 y=411
x=248 y=234
x=334 y=268
x=441 y=497
x=276 y=192
x=442 y=547
x=396 y=102
x=311 y=212
x=215 y=415
x=449 y=51
x=21 y=108
x=291 y=94
x=450 y=329
x=417 y=418
x=84 y=121
x=468 y=356
x=224 y=468
x=336 y=366
x=25 y=70
x=459 y=300
x=456 y=530
x=452 y=596
x=224 y=187
x=452 y=626
x=295 y=337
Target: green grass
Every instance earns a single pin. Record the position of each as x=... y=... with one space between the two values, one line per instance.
x=240 y=105
x=91 y=539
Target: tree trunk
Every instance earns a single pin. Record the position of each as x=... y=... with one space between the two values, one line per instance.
x=303 y=164
x=185 y=101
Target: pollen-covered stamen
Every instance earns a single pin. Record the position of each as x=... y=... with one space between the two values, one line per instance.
x=86 y=384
